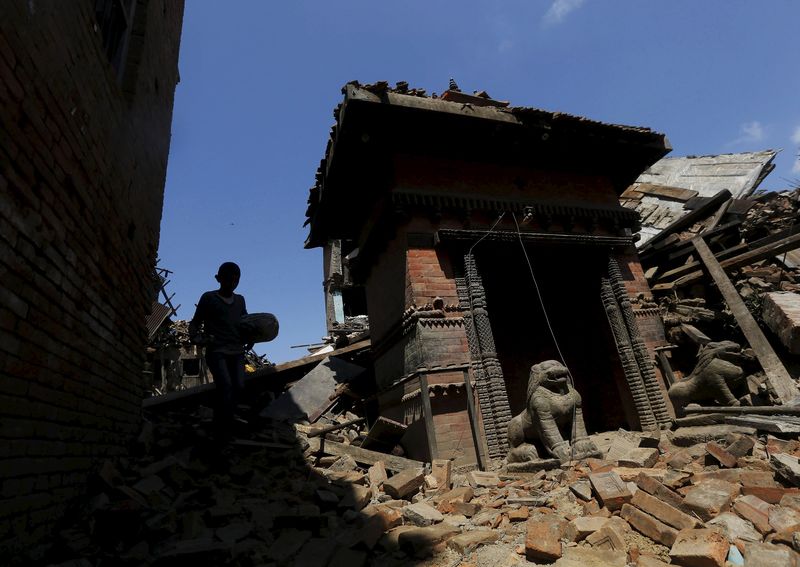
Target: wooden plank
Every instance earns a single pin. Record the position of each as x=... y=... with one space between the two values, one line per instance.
x=700 y=419
x=427 y=415
x=773 y=367
x=315 y=358
x=684 y=248
x=631 y=193
x=750 y=257
x=687 y=220
x=367 y=457
x=477 y=438
x=358 y=94
x=675 y=193
x=771 y=424
x=746 y=410
x=725 y=254
x=317 y=432
x=384 y=434
x=272 y=372
x=691 y=267
x=666 y=368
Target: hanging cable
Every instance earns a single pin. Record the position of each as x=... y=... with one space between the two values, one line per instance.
x=488 y=232
x=573 y=433
x=541 y=301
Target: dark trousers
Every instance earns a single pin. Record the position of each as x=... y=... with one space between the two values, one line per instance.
x=228 y=373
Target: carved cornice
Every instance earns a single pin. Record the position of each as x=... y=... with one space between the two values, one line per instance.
x=545 y=212
x=435 y=390
x=645 y=313
x=530 y=237
x=413 y=317
x=447 y=322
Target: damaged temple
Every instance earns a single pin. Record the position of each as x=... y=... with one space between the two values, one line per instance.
x=488 y=239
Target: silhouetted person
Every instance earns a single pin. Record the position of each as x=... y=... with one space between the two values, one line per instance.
x=218 y=313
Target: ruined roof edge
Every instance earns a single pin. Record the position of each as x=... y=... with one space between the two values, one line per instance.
x=510 y=114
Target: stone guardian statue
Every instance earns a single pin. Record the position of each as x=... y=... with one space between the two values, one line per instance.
x=553 y=416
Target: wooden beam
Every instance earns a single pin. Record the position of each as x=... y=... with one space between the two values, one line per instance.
x=427 y=415
x=338 y=426
x=685 y=221
x=692 y=267
x=313 y=358
x=745 y=410
x=781 y=382
x=367 y=457
x=269 y=373
x=727 y=253
x=354 y=93
x=745 y=259
x=477 y=438
x=666 y=368
x=674 y=193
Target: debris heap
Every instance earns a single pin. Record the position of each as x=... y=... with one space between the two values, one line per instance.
x=309 y=494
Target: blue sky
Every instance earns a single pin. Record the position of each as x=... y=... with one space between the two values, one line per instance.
x=260 y=79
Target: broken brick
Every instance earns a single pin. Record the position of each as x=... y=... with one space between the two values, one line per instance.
x=663 y=511
x=710 y=498
x=700 y=548
x=543 y=539
x=648 y=525
x=720 y=454
x=754 y=510
x=610 y=489
x=404 y=483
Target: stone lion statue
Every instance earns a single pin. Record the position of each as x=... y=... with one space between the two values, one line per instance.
x=716 y=369
x=552 y=415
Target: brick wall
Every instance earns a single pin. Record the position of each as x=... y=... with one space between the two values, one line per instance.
x=632 y=273
x=83 y=158
x=430 y=275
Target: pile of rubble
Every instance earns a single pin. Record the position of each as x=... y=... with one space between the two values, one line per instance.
x=755 y=242
x=308 y=494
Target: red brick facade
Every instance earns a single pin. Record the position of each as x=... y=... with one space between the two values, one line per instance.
x=82 y=166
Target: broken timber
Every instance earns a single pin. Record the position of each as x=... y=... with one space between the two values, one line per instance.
x=747 y=258
x=734 y=251
x=684 y=222
x=271 y=373
x=776 y=373
x=367 y=457
x=745 y=410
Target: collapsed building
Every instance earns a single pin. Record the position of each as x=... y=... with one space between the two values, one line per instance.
x=447 y=208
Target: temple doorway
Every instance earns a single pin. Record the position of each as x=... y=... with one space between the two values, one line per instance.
x=569 y=279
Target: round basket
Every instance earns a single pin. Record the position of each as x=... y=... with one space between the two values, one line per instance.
x=258 y=327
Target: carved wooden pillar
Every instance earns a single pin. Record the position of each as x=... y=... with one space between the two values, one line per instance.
x=639 y=371
x=489 y=382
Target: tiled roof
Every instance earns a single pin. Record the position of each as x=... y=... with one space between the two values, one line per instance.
x=481 y=108
x=659 y=194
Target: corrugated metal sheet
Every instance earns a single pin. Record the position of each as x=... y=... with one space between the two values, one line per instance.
x=158 y=314
x=707 y=175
